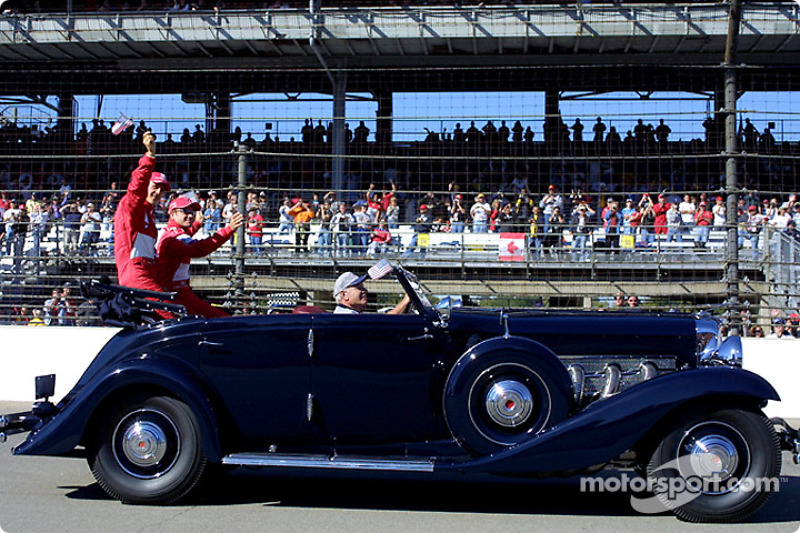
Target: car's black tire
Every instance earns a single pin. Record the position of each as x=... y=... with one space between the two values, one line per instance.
x=147 y=451
x=504 y=397
x=717 y=467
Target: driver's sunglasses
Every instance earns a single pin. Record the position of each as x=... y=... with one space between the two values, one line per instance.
x=186 y=212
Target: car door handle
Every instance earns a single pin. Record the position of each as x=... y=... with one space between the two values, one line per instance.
x=426 y=336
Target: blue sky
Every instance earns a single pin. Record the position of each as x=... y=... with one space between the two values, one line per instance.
x=414 y=112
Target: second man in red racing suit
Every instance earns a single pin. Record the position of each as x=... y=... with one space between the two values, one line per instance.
x=176 y=248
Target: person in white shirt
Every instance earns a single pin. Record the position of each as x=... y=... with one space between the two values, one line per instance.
x=351 y=296
x=719 y=210
x=480 y=212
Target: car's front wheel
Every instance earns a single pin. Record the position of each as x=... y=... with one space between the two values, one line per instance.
x=147 y=451
x=719 y=467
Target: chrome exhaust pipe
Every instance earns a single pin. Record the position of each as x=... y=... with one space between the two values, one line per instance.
x=578 y=376
x=611 y=378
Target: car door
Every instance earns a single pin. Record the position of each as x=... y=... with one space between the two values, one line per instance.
x=259 y=367
x=376 y=377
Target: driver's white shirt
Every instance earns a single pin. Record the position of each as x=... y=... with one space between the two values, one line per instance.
x=344 y=310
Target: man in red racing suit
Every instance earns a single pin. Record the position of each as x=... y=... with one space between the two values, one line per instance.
x=135 y=230
x=176 y=248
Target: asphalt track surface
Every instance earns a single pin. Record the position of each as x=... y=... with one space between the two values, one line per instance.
x=44 y=494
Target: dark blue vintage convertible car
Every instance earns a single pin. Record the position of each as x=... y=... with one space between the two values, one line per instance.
x=525 y=393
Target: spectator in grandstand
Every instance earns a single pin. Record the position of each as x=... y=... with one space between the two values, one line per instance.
x=749 y=136
x=285 y=219
x=90 y=229
x=756 y=331
x=536 y=232
x=497 y=207
x=791 y=230
x=50 y=308
x=36 y=319
x=479 y=212
x=422 y=225
x=212 y=215
x=255 y=229
x=766 y=142
x=673 y=224
x=633 y=301
x=458 y=214
x=135 y=230
x=660 y=209
x=342 y=223
x=703 y=220
x=619 y=301
x=506 y=221
x=392 y=214
x=351 y=296
x=551 y=200
x=302 y=214
x=325 y=215
x=779 y=330
x=781 y=218
x=719 y=210
x=176 y=248
x=554 y=229
x=792 y=322
x=687 y=209
x=39 y=225
x=581 y=224
x=72 y=226
x=662 y=132
x=627 y=214
x=612 y=224
x=599 y=130
x=66 y=306
x=613 y=141
x=577 y=131
x=381 y=238
x=361 y=133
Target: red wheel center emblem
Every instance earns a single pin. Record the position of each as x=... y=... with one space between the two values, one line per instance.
x=510 y=405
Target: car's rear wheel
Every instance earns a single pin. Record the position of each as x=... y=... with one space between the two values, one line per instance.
x=148 y=451
x=502 y=398
x=719 y=467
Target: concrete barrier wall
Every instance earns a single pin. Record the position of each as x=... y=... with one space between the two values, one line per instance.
x=67 y=351
x=30 y=351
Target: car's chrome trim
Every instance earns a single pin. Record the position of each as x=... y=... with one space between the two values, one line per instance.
x=341 y=462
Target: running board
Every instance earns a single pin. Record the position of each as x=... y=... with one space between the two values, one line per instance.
x=341 y=462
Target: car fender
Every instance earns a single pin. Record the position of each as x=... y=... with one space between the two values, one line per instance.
x=474 y=408
x=62 y=433
x=609 y=427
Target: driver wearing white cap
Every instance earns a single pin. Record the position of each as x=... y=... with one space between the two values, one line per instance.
x=351 y=296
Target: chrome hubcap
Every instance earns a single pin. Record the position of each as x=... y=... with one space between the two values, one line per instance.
x=509 y=403
x=144 y=444
x=714 y=455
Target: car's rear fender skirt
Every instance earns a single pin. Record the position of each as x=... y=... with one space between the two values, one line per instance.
x=61 y=434
x=608 y=428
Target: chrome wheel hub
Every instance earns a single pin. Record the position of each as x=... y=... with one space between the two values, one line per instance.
x=509 y=403
x=714 y=456
x=144 y=444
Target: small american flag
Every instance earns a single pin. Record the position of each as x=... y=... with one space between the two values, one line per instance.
x=380 y=269
x=121 y=125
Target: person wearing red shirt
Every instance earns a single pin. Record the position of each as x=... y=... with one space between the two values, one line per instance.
x=176 y=248
x=660 y=211
x=703 y=219
x=255 y=229
x=135 y=230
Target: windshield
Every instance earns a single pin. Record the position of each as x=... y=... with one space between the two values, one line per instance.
x=418 y=290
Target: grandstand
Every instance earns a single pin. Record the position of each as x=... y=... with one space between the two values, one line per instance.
x=231 y=91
